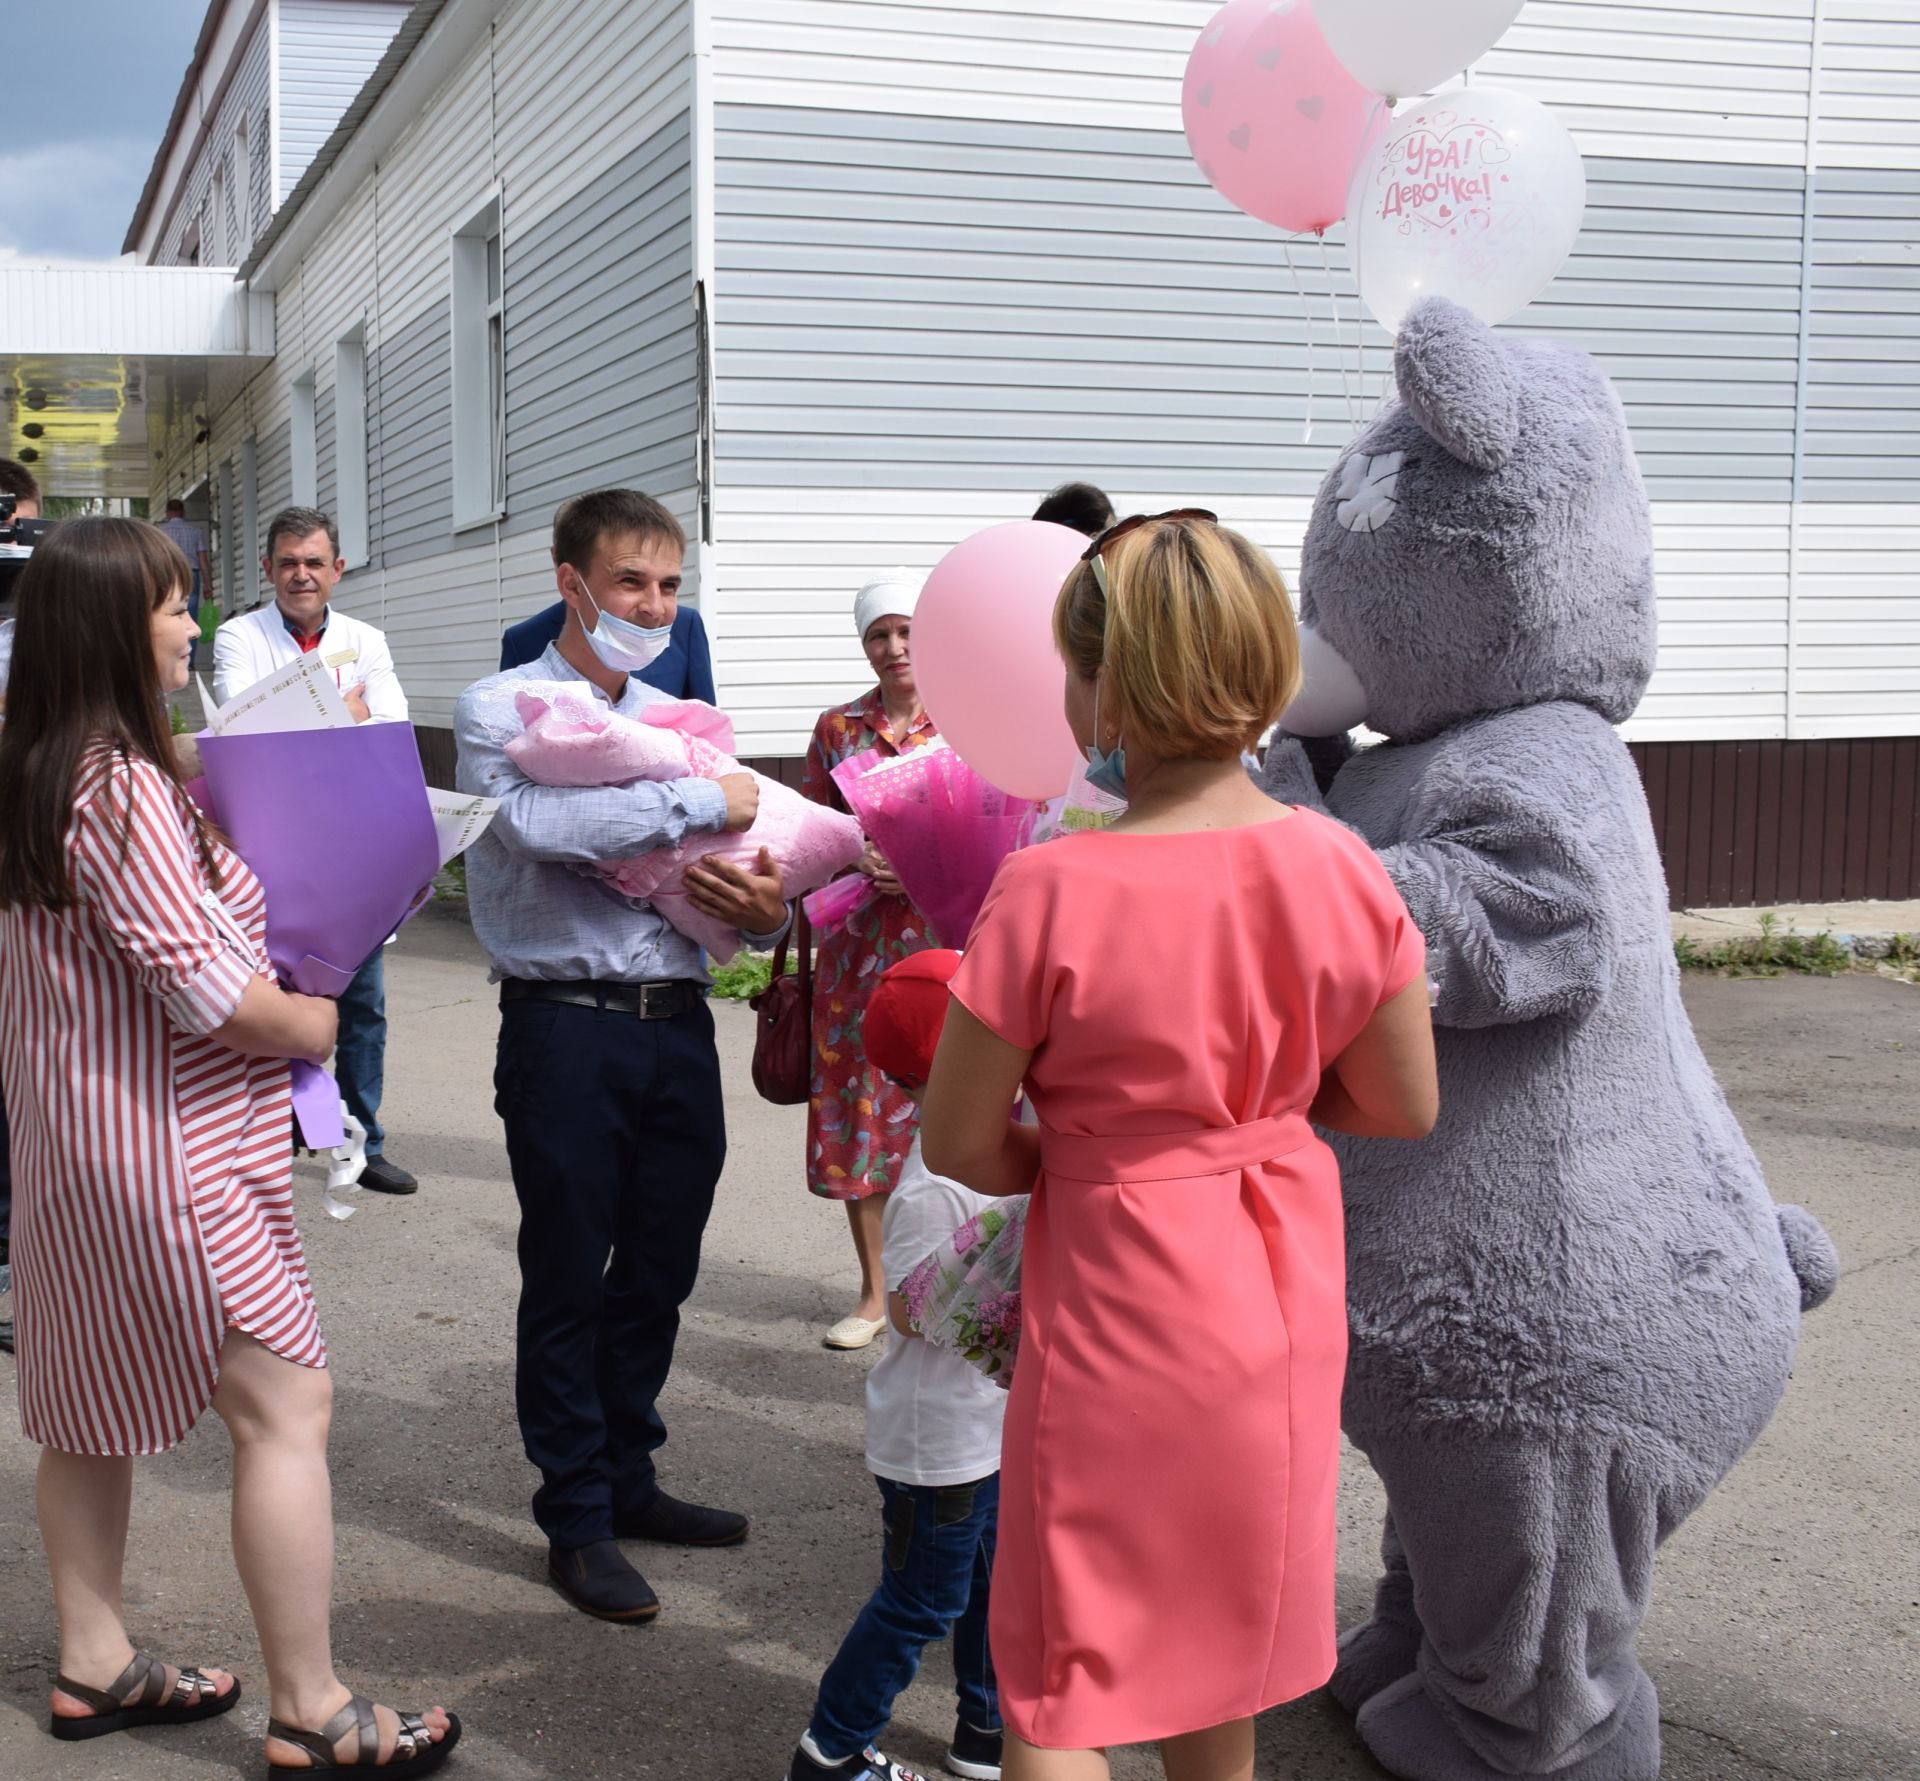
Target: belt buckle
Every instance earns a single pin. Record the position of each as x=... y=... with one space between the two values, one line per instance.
x=655 y=1001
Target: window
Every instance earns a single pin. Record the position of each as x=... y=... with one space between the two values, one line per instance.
x=190 y=244
x=242 y=189
x=224 y=552
x=350 y=444
x=496 y=373
x=247 y=545
x=479 y=370
x=304 y=446
x=215 y=237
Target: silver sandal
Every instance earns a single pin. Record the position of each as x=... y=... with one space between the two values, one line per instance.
x=415 y=1751
x=191 y=1698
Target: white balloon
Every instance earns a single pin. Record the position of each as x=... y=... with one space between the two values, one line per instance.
x=1331 y=699
x=1406 y=47
x=1475 y=194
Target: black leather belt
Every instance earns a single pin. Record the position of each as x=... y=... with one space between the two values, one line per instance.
x=649 y=1001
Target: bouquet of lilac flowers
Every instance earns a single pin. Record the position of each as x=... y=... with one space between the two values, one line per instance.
x=966 y=1294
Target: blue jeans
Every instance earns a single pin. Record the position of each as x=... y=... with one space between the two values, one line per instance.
x=360 y=1051
x=935 y=1579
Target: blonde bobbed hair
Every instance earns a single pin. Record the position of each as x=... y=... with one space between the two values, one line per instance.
x=1195 y=637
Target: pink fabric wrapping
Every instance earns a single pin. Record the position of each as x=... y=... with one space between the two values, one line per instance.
x=835 y=904
x=571 y=739
x=943 y=829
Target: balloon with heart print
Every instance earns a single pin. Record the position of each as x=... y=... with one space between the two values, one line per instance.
x=1475 y=194
x=1275 y=122
x=1403 y=48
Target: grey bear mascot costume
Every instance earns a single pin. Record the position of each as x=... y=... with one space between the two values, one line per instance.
x=1574 y=1305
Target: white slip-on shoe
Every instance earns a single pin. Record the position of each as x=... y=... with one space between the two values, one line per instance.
x=853 y=1332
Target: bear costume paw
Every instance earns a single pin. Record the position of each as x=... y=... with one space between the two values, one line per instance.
x=1811 y=1254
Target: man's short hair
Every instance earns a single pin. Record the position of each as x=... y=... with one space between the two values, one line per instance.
x=580 y=523
x=301 y=522
x=1079 y=505
x=17 y=480
x=176 y=505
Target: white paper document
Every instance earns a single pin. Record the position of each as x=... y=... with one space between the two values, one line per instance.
x=300 y=696
x=459 y=821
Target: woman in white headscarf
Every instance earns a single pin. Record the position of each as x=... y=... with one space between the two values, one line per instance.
x=859 y=1126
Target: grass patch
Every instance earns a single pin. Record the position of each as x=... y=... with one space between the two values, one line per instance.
x=450 y=884
x=1770 y=953
x=745 y=975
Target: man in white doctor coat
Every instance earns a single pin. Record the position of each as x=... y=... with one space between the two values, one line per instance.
x=303 y=562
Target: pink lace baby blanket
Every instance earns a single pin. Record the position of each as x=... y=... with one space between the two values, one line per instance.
x=570 y=738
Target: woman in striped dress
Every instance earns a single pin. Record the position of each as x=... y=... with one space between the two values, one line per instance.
x=157 y=1268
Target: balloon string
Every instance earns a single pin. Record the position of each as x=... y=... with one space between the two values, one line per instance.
x=1368 y=147
x=1339 y=336
x=1300 y=291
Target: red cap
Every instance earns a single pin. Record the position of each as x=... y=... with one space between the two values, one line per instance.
x=905 y=1014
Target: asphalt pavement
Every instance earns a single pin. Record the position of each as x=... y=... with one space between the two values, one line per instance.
x=1783 y=1639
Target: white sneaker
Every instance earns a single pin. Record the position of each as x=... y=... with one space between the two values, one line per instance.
x=853 y=1332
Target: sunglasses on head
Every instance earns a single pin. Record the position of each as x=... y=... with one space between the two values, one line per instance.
x=1096 y=552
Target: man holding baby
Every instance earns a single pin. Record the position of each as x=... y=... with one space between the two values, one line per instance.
x=607 y=1077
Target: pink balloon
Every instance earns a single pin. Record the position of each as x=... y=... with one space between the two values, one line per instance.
x=1276 y=122
x=984 y=659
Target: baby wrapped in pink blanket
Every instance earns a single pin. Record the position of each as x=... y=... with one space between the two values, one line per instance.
x=572 y=739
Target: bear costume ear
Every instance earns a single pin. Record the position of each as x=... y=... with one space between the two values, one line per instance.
x=1458 y=382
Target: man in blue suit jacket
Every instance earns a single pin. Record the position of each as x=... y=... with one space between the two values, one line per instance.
x=683 y=670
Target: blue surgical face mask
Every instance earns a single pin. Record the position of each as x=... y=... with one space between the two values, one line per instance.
x=622 y=645
x=1106 y=772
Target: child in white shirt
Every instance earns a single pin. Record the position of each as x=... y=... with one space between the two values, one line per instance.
x=933 y=1446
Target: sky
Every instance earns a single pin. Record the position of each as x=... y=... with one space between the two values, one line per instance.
x=89 y=87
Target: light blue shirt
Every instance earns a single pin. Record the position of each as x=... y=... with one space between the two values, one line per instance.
x=537 y=915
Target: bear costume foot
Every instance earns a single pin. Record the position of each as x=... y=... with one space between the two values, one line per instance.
x=1381 y=1650
x=1373 y=1656
x=1410 y=1737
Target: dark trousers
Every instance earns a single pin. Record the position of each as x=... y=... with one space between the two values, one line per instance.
x=616 y=1133
x=360 y=1051
x=936 y=1578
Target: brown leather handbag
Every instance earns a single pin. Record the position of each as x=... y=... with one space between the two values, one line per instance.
x=783 y=1023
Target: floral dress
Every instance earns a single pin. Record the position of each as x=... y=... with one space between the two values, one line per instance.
x=859 y=1126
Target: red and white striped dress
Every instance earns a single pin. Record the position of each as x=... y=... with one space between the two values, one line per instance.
x=152 y=1168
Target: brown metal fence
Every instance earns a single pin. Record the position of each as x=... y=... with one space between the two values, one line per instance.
x=1758 y=823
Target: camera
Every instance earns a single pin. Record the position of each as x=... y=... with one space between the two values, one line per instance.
x=17 y=539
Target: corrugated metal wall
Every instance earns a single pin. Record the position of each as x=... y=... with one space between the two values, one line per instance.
x=1758 y=824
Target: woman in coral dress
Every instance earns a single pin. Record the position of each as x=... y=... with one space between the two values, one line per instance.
x=859 y=1126
x=1179 y=995
x=157 y=1267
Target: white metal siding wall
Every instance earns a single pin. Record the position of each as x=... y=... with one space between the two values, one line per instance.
x=601 y=347
x=594 y=387
x=928 y=298
x=327 y=50
x=1712 y=80
x=247 y=188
